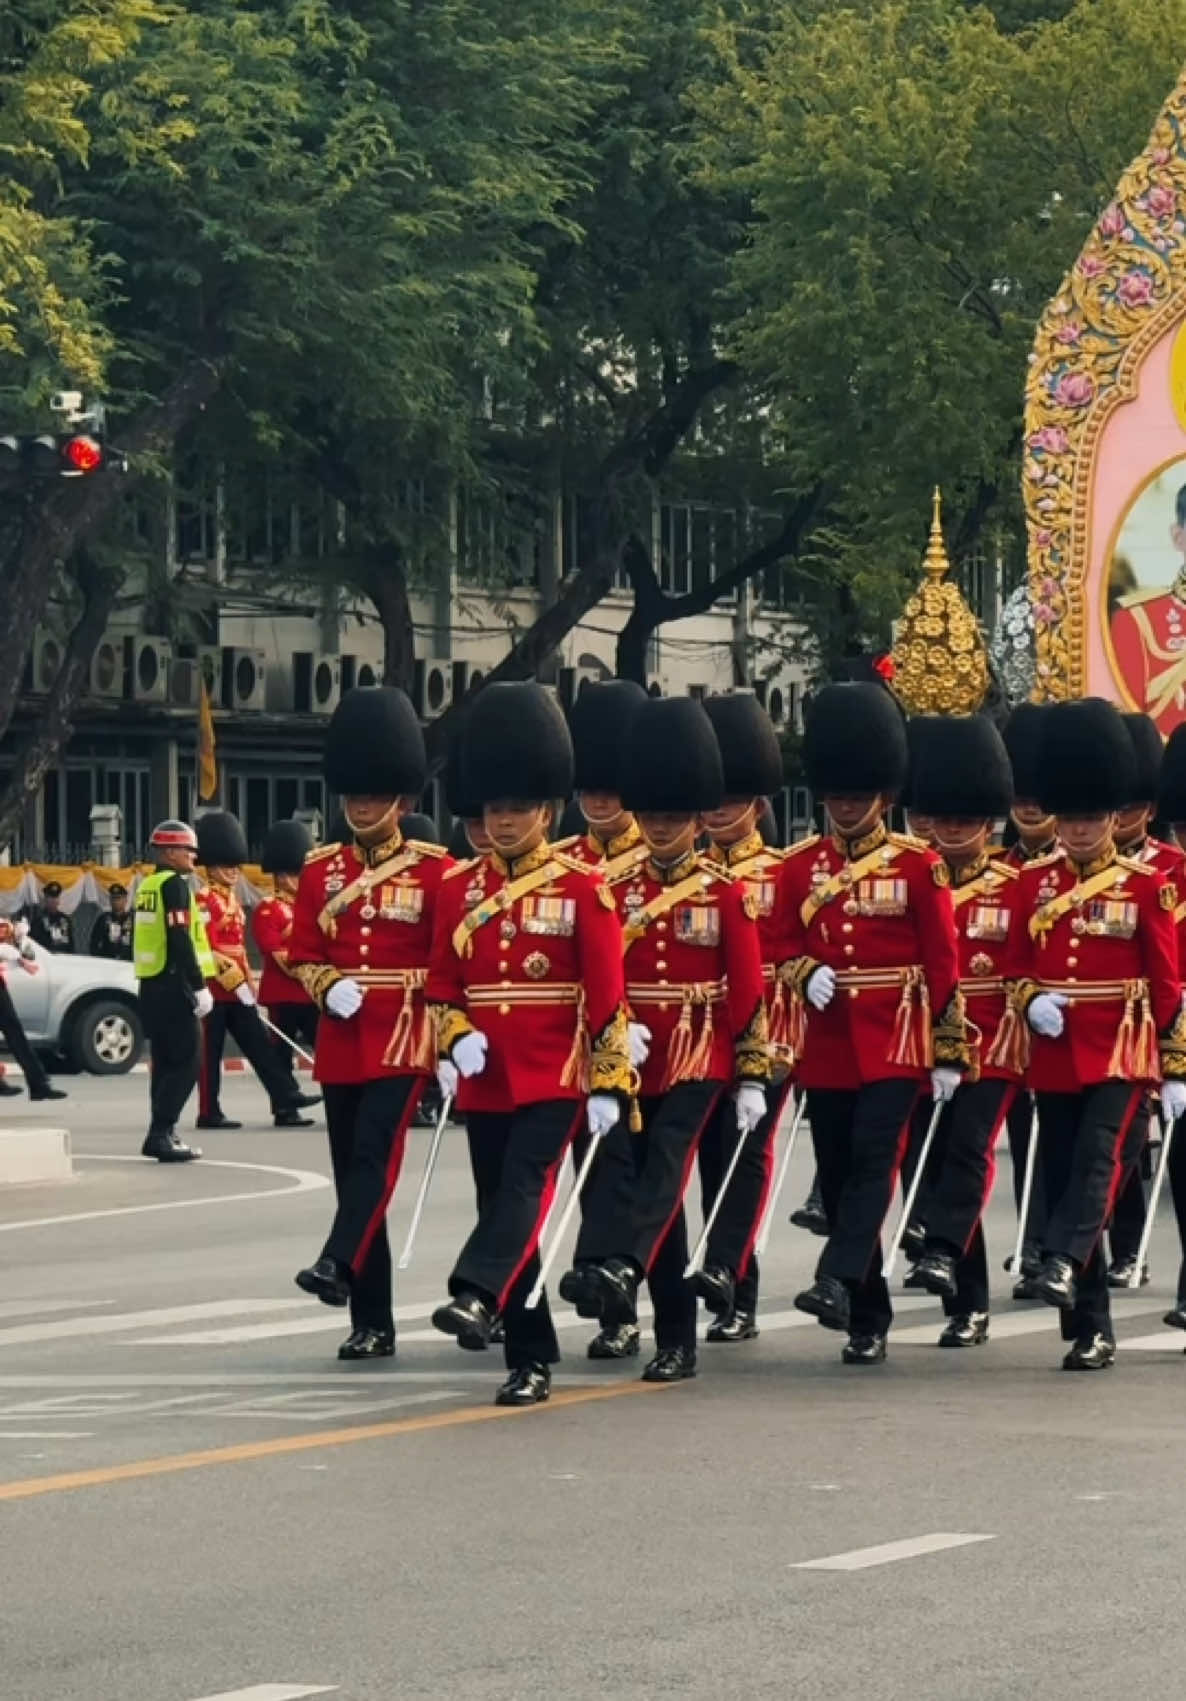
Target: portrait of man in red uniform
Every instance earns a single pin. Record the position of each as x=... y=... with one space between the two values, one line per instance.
x=1147 y=618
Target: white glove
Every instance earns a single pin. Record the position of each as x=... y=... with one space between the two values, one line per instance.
x=943 y=1084
x=751 y=1107
x=821 y=987
x=244 y=994
x=447 y=1079
x=639 y=1040
x=344 y=999
x=1173 y=1102
x=203 y=1002
x=1045 y=1016
x=469 y=1054
x=602 y=1111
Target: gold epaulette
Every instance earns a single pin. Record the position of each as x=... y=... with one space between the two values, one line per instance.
x=1131 y=864
x=811 y=840
x=563 y=844
x=1005 y=869
x=323 y=851
x=907 y=841
x=460 y=867
x=1044 y=861
x=572 y=863
x=705 y=865
x=426 y=847
x=1148 y=593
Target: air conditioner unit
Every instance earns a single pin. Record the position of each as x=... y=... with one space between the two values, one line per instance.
x=244 y=678
x=466 y=678
x=777 y=704
x=358 y=674
x=107 y=669
x=316 y=682
x=45 y=660
x=434 y=686
x=147 y=663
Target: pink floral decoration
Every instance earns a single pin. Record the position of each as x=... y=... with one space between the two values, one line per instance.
x=1135 y=288
x=1161 y=201
x=1112 y=220
x=1052 y=438
x=1090 y=266
x=1074 y=390
x=1069 y=333
x=1043 y=539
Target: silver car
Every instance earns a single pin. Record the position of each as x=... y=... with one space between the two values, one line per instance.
x=82 y=1007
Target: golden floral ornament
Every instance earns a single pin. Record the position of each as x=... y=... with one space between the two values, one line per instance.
x=1123 y=293
x=940 y=663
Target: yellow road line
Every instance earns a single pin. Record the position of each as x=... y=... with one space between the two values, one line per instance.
x=31 y=1487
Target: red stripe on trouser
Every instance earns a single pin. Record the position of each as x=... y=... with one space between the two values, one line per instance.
x=547 y=1194
x=1117 y=1166
x=394 y=1165
x=895 y=1171
x=768 y=1179
x=689 y=1160
x=990 y=1171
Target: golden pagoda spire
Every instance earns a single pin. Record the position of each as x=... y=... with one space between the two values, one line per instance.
x=941 y=666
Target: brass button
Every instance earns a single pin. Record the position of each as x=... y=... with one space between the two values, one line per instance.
x=660 y=927
x=1072 y=962
x=663 y=982
x=853 y=990
x=364 y=931
x=506 y=983
x=503 y=967
x=662 y=1006
x=364 y=950
x=1072 y=979
x=661 y=964
x=504 y=1009
x=849 y=950
x=847 y=927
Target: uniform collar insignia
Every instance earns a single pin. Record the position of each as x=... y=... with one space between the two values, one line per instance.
x=969 y=870
x=524 y=864
x=671 y=873
x=852 y=849
x=1036 y=855
x=743 y=851
x=1085 y=870
x=610 y=848
x=372 y=855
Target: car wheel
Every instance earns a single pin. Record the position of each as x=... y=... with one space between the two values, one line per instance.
x=107 y=1037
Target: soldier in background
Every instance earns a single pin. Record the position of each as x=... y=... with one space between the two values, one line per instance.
x=49 y=925
x=111 y=936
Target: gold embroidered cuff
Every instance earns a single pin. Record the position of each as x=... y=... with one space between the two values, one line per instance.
x=752 y=1057
x=797 y=971
x=1172 y=1048
x=451 y=1025
x=1021 y=994
x=316 y=978
x=609 y=1058
x=228 y=973
x=949 y=1040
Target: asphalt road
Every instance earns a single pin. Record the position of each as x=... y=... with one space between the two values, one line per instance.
x=197 y=1500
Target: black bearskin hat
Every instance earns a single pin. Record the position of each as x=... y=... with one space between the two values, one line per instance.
x=768 y=826
x=917 y=728
x=962 y=769
x=1147 y=748
x=286 y=845
x=374 y=746
x=516 y=746
x=599 y=721
x=672 y=763
x=420 y=827
x=221 y=840
x=1022 y=733
x=854 y=741
x=460 y=805
x=1171 y=793
x=750 y=752
x=1086 y=765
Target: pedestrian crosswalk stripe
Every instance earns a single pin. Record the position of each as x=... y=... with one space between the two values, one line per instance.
x=273 y=1692
x=67 y=1328
x=1165 y=1341
x=1008 y=1325
x=859 y=1559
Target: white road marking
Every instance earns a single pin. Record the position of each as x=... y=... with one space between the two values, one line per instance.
x=38 y=1307
x=68 y=1328
x=273 y=1692
x=859 y=1559
x=304 y=1181
x=1165 y=1341
x=45 y=1435
x=364 y=1376
x=1010 y=1324
x=273 y=1405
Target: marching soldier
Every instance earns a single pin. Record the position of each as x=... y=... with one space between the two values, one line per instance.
x=1035 y=838
x=361 y=933
x=752 y=763
x=173 y=962
x=611 y=843
x=867 y=947
x=289 y=1006
x=15 y=947
x=1092 y=967
x=694 y=978
x=222 y=850
x=964 y=784
x=527 y=989
x=111 y=936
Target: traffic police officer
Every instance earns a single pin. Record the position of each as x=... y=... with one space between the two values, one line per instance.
x=173 y=962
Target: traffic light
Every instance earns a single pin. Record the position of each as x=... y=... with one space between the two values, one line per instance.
x=50 y=455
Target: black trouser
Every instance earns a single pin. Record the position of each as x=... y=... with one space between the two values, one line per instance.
x=299 y=1022
x=368 y=1132
x=36 y=1079
x=1128 y=1213
x=242 y=1022
x=517 y=1157
x=959 y=1178
x=859 y=1138
x=529 y=1336
x=1020 y=1125
x=735 y=1230
x=1081 y=1149
x=635 y=1209
x=173 y=1031
x=1177 y=1179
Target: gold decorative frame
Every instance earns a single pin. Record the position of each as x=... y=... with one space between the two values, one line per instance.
x=1124 y=292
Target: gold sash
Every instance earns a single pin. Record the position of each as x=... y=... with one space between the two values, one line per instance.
x=1045 y=916
x=845 y=878
x=692 y=886
x=499 y=902
x=362 y=883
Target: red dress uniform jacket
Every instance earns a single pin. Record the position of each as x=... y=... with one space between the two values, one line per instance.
x=226 y=931
x=271 y=928
x=983 y=896
x=694 y=973
x=1018 y=857
x=878 y=911
x=611 y=858
x=530 y=954
x=756 y=865
x=1103 y=935
x=1148 y=640
x=367 y=915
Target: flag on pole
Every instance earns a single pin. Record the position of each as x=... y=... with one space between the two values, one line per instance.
x=207 y=766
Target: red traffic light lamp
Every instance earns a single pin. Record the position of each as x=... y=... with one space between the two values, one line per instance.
x=80 y=455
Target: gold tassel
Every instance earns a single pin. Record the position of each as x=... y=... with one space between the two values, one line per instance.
x=702 y=1055
x=796 y=1026
x=905 y=1047
x=576 y=1067
x=397 y=1051
x=1011 y=1048
x=680 y=1051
